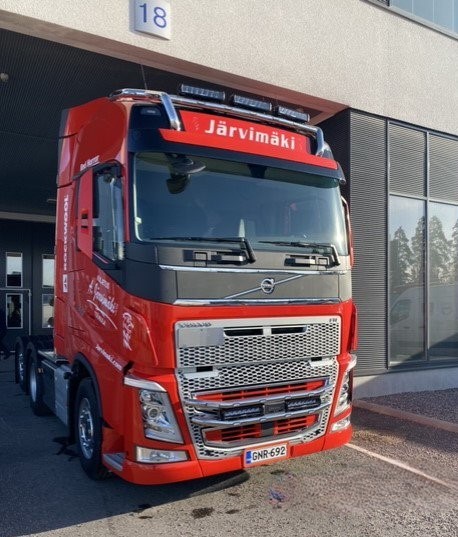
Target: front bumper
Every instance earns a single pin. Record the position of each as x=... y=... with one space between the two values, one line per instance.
x=159 y=474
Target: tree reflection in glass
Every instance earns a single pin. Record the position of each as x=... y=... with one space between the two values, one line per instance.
x=407 y=280
x=443 y=286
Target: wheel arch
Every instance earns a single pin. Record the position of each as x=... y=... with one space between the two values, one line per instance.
x=81 y=369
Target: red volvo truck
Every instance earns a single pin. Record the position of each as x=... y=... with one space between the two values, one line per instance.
x=203 y=318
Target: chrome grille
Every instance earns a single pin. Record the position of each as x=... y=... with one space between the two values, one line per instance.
x=252 y=374
x=314 y=337
x=245 y=353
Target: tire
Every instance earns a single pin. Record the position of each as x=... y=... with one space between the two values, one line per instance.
x=35 y=386
x=20 y=365
x=88 y=431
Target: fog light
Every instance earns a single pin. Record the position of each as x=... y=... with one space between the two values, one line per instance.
x=158 y=456
x=341 y=425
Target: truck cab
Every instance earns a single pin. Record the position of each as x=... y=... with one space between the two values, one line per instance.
x=203 y=313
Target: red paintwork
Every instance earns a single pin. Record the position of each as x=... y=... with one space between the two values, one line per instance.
x=237 y=135
x=96 y=318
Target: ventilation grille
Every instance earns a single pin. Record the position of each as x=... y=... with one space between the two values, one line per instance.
x=258 y=344
x=407 y=149
x=368 y=202
x=443 y=168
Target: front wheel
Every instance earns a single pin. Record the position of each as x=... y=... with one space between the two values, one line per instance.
x=88 y=431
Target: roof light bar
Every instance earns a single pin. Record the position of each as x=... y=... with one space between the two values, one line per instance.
x=193 y=91
x=291 y=113
x=253 y=104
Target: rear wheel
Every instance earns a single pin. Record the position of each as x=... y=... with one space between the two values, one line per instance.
x=20 y=365
x=88 y=431
x=35 y=386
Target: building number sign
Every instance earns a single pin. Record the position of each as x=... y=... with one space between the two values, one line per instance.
x=153 y=17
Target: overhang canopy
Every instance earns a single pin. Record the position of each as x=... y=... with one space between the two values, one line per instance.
x=40 y=78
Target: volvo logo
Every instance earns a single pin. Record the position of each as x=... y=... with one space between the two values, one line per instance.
x=268 y=286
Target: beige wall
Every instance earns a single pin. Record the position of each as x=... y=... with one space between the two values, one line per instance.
x=348 y=51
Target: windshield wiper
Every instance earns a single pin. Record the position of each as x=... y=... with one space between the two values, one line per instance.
x=243 y=241
x=314 y=245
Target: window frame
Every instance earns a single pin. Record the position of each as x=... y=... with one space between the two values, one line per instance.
x=385 y=4
x=21 y=273
x=428 y=200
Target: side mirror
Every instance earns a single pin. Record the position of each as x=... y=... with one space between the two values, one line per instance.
x=349 y=231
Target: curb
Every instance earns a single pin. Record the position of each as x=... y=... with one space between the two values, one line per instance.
x=409 y=416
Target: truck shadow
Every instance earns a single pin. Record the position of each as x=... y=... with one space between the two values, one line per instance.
x=61 y=496
x=43 y=487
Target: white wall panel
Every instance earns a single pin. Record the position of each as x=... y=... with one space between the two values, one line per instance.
x=349 y=51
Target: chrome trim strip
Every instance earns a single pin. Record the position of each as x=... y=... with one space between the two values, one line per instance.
x=248 y=291
x=172 y=114
x=143 y=384
x=115 y=460
x=254 y=271
x=219 y=424
x=261 y=322
x=251 y=302
x=200 y=404
x=270 y=385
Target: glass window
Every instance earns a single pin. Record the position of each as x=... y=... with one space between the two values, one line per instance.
x=108 y=224
x=423 y=312
x=407 y=278
x=48 y=270
x=47 y=309
x=14 y=310
x=443 y=13
x=406 y=5
x=226 y=199
x=443 y=280
x=455 y=16
x=424 y=9
x=13 y=269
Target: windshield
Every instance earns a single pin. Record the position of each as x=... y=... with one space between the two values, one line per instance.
x=175 y=196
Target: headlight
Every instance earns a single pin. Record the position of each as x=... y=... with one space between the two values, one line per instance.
x=159 y=421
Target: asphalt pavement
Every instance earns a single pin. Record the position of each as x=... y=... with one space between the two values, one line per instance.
x=397 y=478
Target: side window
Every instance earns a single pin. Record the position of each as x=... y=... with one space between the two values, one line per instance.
x=13 y=269
x=14 y=318
x=47 y=270
x=108 y=225
x=47 y=310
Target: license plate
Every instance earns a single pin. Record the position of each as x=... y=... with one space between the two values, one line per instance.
x=252 y=457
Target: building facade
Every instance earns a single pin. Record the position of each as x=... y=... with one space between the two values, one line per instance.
x=380 y=78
